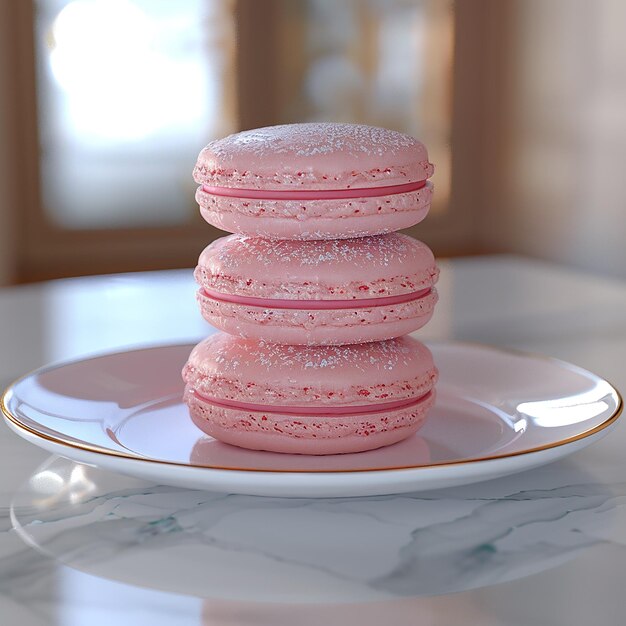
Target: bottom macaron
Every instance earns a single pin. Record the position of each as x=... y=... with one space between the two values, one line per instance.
x=309 y=400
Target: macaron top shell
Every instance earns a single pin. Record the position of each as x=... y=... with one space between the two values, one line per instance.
x=346 y=269
x=313 y=156
x=228 y=368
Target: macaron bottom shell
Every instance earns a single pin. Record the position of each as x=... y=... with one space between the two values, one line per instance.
x=284 y=433
x=314 y=228
x=320 y=326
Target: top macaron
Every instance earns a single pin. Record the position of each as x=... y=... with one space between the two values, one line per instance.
x=314 y=181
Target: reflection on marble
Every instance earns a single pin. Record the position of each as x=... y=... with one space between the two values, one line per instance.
x=244 y=548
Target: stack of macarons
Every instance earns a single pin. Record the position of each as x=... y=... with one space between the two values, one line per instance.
x=315 y=291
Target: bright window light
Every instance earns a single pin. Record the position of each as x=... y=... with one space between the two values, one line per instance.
x=129 y=91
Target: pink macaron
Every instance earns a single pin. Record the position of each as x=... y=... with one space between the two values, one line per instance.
x=314 y=181
x=313 y=400
x=326 y=292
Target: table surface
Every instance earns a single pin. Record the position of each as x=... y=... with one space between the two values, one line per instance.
x=545 y=547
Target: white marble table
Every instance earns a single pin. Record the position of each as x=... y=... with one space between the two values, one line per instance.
x=546 y=547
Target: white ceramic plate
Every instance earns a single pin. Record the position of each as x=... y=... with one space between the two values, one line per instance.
x=497 y=413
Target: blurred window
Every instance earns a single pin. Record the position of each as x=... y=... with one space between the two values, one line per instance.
x=381 y=62
x=128 y=93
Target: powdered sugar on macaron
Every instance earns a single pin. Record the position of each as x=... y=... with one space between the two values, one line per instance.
x=348 y=269
x=314 y=181
x=252 y=371
x=317 y=292
x=322 y=400
x=317 y=155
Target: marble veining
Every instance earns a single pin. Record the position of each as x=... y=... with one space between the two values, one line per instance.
x=312 y=550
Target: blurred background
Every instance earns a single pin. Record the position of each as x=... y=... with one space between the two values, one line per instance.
x=105 y=104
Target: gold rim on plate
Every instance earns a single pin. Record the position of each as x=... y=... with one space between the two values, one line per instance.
x=85 y=447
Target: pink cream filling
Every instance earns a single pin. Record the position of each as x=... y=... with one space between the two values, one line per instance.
x=313 y=194
x=312 y=411
x=278 y=303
